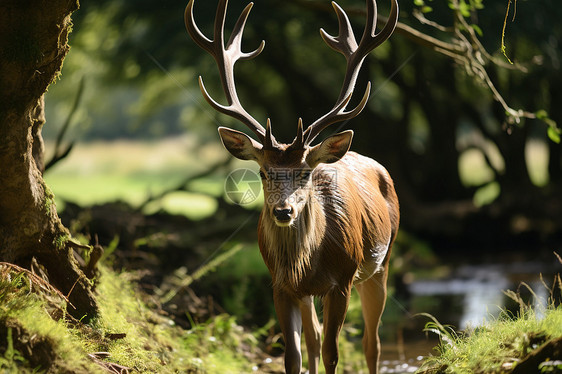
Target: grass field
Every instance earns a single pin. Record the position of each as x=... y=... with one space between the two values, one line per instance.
x=131 y=171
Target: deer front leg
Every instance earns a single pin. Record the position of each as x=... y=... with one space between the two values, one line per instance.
x=289 y=316
x=335 y=308
x=312 y=333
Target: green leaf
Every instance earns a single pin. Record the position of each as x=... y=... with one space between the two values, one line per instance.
x=465 y=9
x=426 y=9
x=477 y=4
x=477 y=29
x=541 y=114
x=554 y=134
x=419 y=2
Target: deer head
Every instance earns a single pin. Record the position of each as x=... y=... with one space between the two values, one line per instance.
x=286 y=169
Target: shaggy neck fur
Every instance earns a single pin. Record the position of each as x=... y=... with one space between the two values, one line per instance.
x=290 y=249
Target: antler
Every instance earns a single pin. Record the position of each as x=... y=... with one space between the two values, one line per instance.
x=355 y=54
x=226 y=58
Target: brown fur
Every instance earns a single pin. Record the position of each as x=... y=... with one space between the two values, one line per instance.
x=345 y=221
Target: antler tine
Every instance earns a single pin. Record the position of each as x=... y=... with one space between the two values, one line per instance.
x=269 y=140
x=371 y=39
x=225 y=59
x=355 y=54
x=337 y=114
x=298 y=142
x=201 y=40
x=235 y=40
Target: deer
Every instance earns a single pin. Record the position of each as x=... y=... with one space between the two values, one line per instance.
x=330 y=215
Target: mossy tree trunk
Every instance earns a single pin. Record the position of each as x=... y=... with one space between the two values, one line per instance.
x=33 y=45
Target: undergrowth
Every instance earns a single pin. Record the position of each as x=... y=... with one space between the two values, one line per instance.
x=31 y=340
x=37 y=336
x=511 y=343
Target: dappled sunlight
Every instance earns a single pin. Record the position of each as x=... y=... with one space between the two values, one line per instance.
x=133 y=171
x=536 y=154
x=194 y=206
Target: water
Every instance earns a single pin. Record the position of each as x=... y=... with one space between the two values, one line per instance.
x=479 y=289
x=400 y=367
x=468 y=297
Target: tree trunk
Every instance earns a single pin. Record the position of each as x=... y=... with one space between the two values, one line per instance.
x=33 y=44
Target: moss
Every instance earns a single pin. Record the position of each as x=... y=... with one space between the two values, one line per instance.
x=496 y=346
x=11 y=357
x=49 y=206
x=130 y=333
x=60 y=241
x=37 y=341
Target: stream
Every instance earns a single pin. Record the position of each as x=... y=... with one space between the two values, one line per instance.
x=468 y=297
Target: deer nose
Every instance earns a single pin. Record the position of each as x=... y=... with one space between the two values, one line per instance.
x=283 y=214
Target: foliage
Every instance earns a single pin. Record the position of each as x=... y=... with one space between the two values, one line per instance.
x=135 y=52
x=501 y=344
x=126 y=335
x=495 y=347
x=219 y=346
x=25 y=308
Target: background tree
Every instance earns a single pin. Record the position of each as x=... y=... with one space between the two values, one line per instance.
x=33 y=45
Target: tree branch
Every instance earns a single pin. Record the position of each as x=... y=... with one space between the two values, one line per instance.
x=465 y=48
x=182 y=186
x=58 y=153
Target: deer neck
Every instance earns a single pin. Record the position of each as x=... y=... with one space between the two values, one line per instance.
x=290 y=249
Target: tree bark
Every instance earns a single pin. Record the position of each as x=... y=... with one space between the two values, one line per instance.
x=33 y=45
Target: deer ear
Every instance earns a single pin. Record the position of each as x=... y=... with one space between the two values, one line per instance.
x=330 y=150
x=240 y=145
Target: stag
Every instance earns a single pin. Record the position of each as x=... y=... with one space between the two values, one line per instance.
x=330 y=215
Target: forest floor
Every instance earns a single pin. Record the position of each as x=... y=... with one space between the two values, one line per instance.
x=156 y=317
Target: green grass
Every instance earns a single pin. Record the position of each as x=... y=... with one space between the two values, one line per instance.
x=132 y=171
x=501 y=344
x=25 y=312
x=126 y=331
x=496 y=347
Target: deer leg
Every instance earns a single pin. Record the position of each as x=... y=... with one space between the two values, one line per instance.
x=312 y=333
x=373 y=297
x=289 y=316
x=335 y=307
